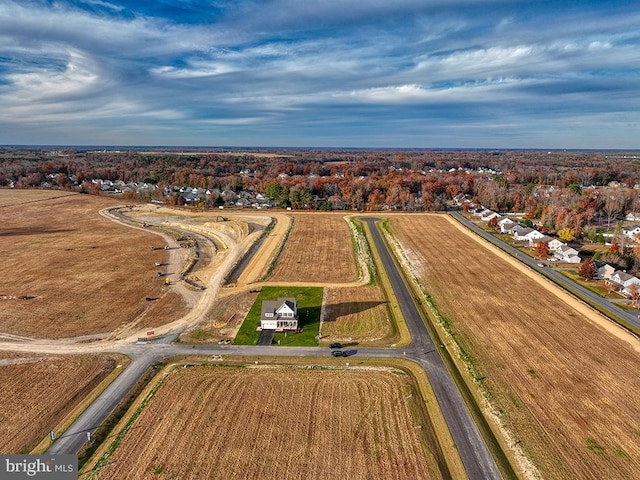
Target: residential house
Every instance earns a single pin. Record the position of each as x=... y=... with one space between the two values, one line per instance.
x=527 y=234
x=279 y=315
x=489 y=215
x=506 y=224
x=631 y=232
x=480 y=211
x=555 y=244
x=545 y=239
x=604 y=271
x=567 y=254
x=633 y=217
x=623 y=281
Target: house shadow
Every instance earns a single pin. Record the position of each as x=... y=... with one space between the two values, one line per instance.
x=345 y=308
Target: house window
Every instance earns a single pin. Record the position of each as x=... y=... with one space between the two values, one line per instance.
x=268 y=314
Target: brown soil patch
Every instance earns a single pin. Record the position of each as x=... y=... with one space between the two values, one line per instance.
x=355 y=314
x=562 y=380
x=272 y=423
x=67 y=271
x=38 y=391
x=224 y=319
x=318 y=249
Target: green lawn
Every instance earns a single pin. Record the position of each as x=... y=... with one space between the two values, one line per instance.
x=309 y=301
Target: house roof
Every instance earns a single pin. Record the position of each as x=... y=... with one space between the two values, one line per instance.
x=274 y=306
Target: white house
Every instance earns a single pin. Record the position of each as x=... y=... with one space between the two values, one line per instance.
x=545 y=239
x=633 y=217
x=631 y=232
x=489 y=215
x=527 y=235
x=623 y=281
x=506 y=224
x=567 y=254
x=555 y=244
x=604 y=271
x=481 y=211
x=279 y=315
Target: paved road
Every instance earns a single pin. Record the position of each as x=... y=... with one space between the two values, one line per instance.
x=476 y=458
x=607 y=306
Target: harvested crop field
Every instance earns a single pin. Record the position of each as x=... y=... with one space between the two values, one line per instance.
x=67 y=271
x=10 y=197
x=38 y=391
x=271 y=423
x=355 y=314
x=318 y=249
x=562 y=385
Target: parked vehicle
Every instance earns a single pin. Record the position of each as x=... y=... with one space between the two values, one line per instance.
x=335 y=345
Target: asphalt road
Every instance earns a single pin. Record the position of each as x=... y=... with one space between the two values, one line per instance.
x=631 y=317
x=477 y=460
x=473 y=451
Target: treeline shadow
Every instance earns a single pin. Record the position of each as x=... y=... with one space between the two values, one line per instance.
x=22 y=231
x=344 y=308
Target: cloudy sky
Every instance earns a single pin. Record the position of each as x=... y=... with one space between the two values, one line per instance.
x=323 y=73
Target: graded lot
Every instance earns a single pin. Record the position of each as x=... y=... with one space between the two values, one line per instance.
x=356 y=314
x=39 y=391
x=319 y=249
x=67 y=271
x=561 y=381
x=273 y=422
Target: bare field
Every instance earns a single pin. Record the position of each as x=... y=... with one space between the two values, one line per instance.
x=223 y=320
x=318 y=249
x=276 y=422
x=565 y=388
x=67 y=271
x=12 y=196
x=355 y=314
x=38 y=391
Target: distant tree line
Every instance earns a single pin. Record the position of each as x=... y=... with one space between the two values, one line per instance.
x=561 y=190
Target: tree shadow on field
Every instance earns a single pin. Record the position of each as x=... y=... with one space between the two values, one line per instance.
x=337 y=310
x=23 y=231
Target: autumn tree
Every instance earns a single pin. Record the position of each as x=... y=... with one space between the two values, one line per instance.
x=614 y=201
x=587 y=269
x=542 y=249
x=634 y=294
x=493 y=222
x=566 y=234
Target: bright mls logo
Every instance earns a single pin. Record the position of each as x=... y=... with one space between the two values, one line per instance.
x=49 y=467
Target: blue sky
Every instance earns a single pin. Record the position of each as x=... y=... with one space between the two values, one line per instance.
x=324 y=73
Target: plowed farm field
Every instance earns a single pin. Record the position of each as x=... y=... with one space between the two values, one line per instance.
x=563 y=386
x=318 y=249
x=276 y=422
x=38 y=391
x=67 y=271
x=355 y=314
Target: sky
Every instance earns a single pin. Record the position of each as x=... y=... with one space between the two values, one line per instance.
x=321 y=73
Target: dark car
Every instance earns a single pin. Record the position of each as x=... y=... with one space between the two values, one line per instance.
x=339 y=353
x=335 y=345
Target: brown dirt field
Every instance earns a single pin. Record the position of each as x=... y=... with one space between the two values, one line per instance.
x=224 y=318
x=10 y=196
x=562 y=380
x=318 y=249
x=355 y=314
x=39 y=390
x=77 y=272
x=271 y=423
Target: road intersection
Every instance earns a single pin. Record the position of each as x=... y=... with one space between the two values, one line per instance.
x=476 y=458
